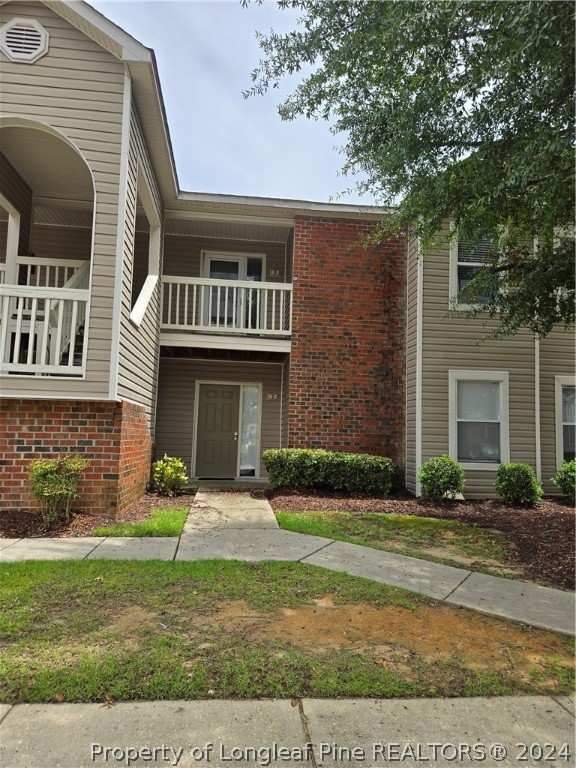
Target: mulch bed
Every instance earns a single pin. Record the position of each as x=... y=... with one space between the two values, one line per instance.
x=16 y=524
x=543 y=537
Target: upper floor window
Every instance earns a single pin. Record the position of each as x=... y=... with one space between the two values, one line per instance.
x=479 y=418
x=565 y=419
x=467 y=257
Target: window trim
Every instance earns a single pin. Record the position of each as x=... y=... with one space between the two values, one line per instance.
x=497 y=376
x=240 y=256
x=453 y=292
x=559 y=382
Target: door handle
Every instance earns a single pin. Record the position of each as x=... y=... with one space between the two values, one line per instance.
x=235 y=435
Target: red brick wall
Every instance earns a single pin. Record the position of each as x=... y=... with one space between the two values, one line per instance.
x=135 y=455
x=347 y=364
x=114 y=437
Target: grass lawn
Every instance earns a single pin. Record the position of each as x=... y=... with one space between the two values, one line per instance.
x=98 y=630
x=166 y=521
x=446 y=541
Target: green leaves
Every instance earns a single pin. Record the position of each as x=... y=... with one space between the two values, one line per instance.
x=53 y=483
x=464 y=110
x=333 y=470
x=169 y=475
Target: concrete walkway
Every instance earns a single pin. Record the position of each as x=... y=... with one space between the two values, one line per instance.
x=235 y=526
x=310 y=732
x=300 y=733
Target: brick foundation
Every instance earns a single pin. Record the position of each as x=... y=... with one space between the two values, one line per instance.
x=114 y=437
x=347 y=365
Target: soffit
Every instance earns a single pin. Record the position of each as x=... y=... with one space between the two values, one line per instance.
x=62 y=217
x=48 y=165
x=228 y=230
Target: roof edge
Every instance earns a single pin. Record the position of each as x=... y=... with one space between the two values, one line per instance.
x=287 y=204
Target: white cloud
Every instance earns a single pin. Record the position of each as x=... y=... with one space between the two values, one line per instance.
x=222 y=142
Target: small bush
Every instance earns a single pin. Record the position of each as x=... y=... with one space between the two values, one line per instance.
x=517 y=484
x=440 y=478
x=303 y=468
x=53 y=483
x=168 y=475
x=565 y=479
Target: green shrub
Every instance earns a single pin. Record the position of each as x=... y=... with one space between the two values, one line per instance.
x=440 y=478
x=53 y=483
x=517 y=484
x=168 y=475
x=303 y=468
x=565 y=479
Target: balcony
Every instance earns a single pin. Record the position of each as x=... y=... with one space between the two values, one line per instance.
x=42 y=318
x=207 y=311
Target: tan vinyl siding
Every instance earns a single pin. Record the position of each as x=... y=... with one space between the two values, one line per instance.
x=449 y=342
x=139 y=346
x=52 y=242
x=556 y=359
x=15 y=189
x=285 y=437
x=182 y=255
x=177 y=384
x=76 y=89
x=411 y=364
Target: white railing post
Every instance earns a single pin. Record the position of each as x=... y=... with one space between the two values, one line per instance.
x=226 y=306
x=39 y=328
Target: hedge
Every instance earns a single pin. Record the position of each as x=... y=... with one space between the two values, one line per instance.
x=317 y=469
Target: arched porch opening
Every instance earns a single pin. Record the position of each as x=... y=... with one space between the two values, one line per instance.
x=47 y=202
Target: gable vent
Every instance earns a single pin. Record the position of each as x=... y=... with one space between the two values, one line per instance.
x=23 y=40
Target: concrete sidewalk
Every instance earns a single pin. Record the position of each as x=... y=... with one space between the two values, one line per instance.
x=237 y=527
x=310 y=732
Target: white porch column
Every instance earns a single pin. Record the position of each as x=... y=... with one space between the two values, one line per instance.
x=11 y=273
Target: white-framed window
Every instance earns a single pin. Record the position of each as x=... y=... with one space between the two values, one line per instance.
x=228 y=305
x=565 y=391
x=478 y=412
x=467 y=257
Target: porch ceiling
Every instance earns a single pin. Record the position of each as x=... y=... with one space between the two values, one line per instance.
x=50 y=168
x=255 y=231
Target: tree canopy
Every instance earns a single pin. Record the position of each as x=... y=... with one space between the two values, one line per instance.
x=460 y=110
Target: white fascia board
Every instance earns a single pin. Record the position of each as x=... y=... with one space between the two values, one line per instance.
x=132 y=50
x=305 y=206
x=205 y=341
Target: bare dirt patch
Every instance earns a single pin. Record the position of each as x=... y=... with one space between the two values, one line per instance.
x=435 y=632
x=129 y=620
x=465 y=561
x=542 y=537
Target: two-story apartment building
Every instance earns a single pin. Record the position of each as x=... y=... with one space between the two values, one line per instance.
x=137 y=319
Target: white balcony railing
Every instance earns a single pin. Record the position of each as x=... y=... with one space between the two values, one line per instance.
x=226 y=306
x=44 y=273
x=42 y=322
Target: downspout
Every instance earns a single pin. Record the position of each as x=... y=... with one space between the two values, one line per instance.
x=419 y=328
x=537 y=407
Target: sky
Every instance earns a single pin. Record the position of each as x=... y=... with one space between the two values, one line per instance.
x=223 y=143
